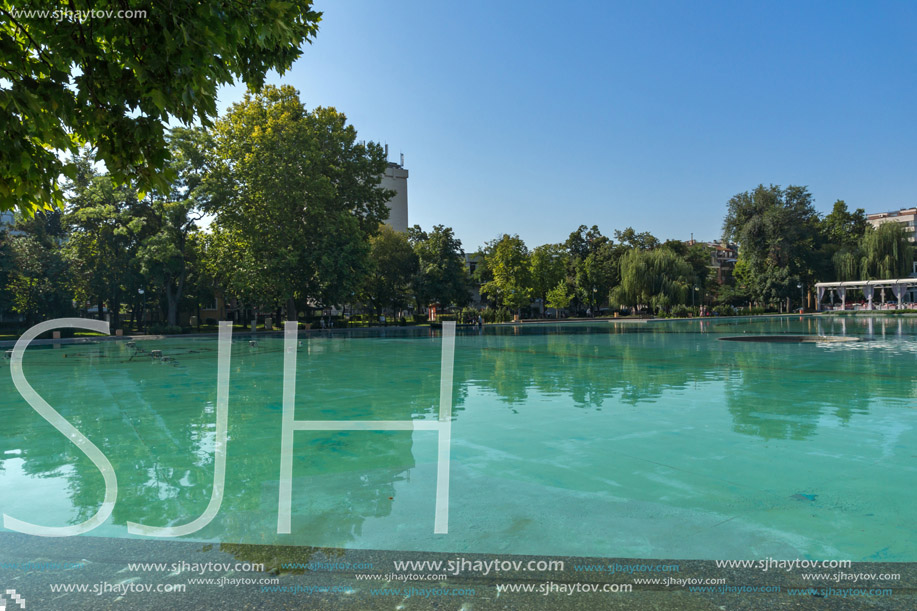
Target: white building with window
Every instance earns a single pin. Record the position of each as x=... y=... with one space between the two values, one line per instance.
x=396 y=179
x=906 y=217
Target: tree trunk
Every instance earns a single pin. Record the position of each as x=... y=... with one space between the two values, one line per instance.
x=116 y=312
x=171 y=305
x=173 y=296
x=292 y=314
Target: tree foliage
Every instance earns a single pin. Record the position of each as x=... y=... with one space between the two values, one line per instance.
x=165 y=252
x=105 y=224
x=886 y=253
x=509 y=265
x=394 y=264
x=592 y=264
x=778 y=233
x=844 y=228
x=631 y=239
x=113 y=82
x=547 y=264
x=295 y=198
x=596 y=274
x=559 y=297
x=33 y=270
x=441 y=276
x=657 y=278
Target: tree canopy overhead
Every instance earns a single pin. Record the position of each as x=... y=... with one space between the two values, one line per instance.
x=99 y=73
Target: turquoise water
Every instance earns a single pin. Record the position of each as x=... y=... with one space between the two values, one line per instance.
x=604 y=439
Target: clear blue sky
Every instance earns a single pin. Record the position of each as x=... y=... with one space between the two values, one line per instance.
x=534 y=117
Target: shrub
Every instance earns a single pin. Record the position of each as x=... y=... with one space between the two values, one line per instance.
x=492 y=315
x=469 y=315
x=680 y=311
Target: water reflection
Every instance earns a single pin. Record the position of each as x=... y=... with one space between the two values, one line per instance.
x=773 y=391
x=156 y=422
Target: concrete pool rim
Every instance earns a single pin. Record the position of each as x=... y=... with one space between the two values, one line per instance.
x=791 y=339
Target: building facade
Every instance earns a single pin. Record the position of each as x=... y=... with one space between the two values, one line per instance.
x=906 y=217
x=723 y=257
x=395 y=178
x=6 y=220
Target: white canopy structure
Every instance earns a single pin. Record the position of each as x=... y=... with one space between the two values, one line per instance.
x=899 y=288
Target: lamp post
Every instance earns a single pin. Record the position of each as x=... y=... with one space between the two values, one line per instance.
x=140 y=320
x=593 y=301
x=802 y=305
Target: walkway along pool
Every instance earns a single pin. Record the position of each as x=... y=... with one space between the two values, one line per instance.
x=604 y=439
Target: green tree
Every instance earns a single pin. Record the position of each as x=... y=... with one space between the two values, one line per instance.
x=35 y=274
x=548 y=267
x=640 y=241
x=698 y=256
x=295 y=198
x=114 y=82
x=778 y=233
x=847 y=263
x=886 y=253
x=394 y=265
x=164 y=253
x=559 y=297
x=105 y=224
x=657 y=278
x=839 y=255
x=6 y=268
x=844 y=228
x=481 y=273
x=200 y=285
x=592 y=267
x=512 y=279
x=595 y=275
x=583 y=241
x=441 y=276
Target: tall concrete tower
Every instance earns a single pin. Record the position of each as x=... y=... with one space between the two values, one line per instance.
x=396 y=179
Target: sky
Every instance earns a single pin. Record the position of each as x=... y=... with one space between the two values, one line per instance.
x=533 y=118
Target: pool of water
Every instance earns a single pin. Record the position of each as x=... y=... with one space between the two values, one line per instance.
x=602 y=439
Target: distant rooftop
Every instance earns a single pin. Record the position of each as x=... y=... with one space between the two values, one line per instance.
x=893 y=213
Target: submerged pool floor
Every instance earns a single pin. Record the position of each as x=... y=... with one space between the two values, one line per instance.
x=610 y=440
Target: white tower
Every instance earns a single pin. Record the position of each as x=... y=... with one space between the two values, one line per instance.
x=396 y=179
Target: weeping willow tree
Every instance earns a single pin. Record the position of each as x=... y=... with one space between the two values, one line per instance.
x=886 y=253
x=657 y=278
x=847 y=264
